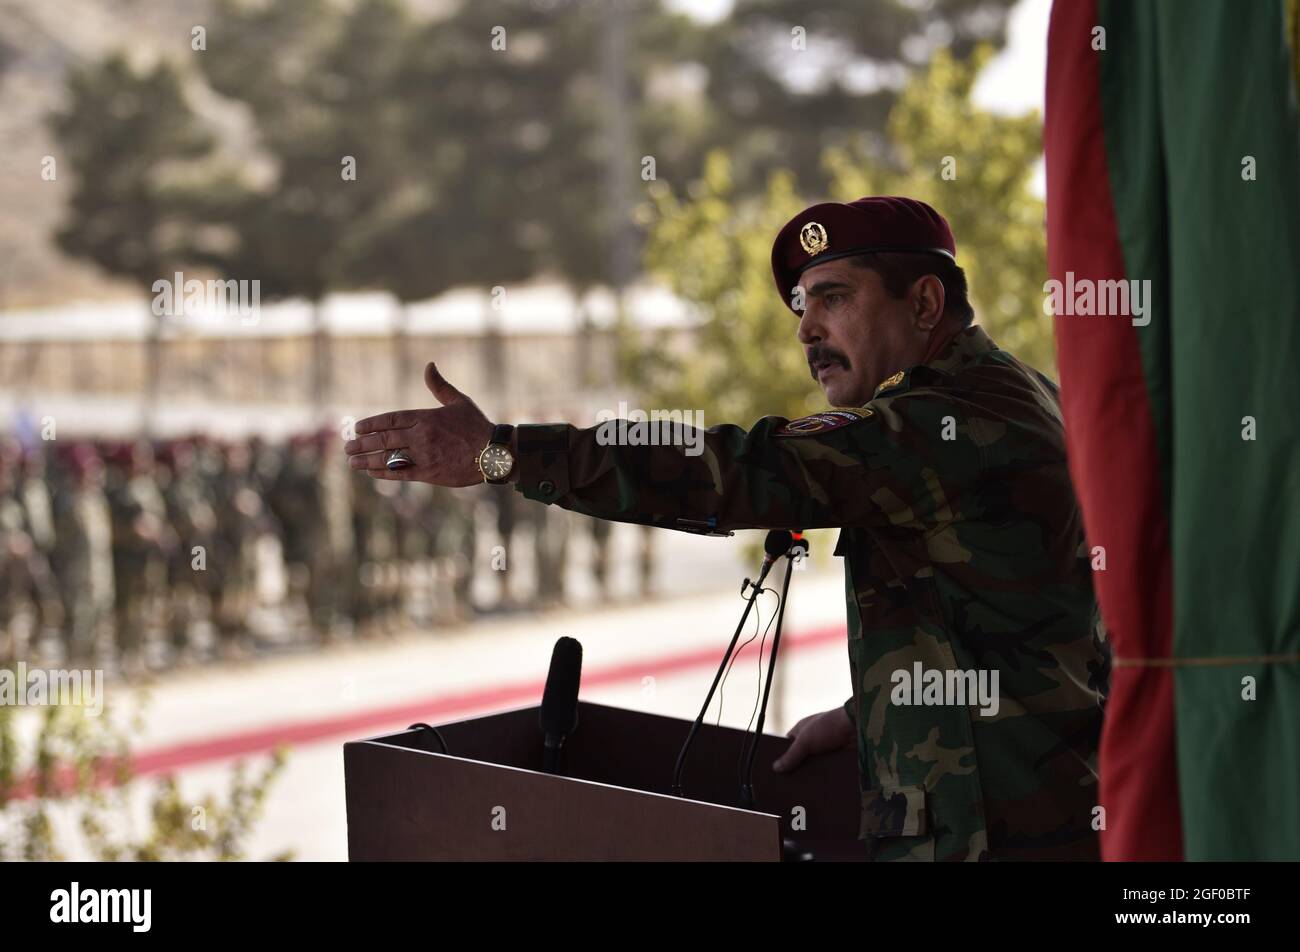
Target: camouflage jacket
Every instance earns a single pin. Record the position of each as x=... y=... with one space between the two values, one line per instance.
x=964 y=557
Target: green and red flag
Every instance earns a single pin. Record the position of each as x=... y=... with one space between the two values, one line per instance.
x=1172 y=138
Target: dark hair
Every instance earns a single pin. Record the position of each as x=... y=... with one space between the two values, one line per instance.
x=899 y=270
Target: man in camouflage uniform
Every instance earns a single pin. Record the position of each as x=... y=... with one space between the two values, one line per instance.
x=376 y=580
x=139 y=516
x=27 y=587
x=551 y=555
x=941 y=458
x=34 y=495
x=83 y=556
x=600 y=533
x=458 y=550
x=417 y=523
x=239 y=521
x=508 y=508
x=312 y=502
x=190 y=547
x=334 y=568
x=18 y=584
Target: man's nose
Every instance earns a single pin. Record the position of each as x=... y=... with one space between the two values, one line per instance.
x=810 y=326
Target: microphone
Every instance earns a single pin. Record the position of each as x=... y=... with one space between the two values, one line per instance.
x=777 y=544
x=798 y=545
x=559 y=714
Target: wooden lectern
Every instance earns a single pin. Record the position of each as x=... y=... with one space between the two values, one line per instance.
x=486 y=799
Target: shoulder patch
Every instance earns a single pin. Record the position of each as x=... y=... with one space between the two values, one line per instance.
x=817 y=423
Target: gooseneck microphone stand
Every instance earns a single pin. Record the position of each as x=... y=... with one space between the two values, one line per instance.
x=778 y=542
x=747 y=779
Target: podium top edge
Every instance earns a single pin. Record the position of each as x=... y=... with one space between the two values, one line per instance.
x=559 y=778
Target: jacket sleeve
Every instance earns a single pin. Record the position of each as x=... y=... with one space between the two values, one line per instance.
x=897 y=461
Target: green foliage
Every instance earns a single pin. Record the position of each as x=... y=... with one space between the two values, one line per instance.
x=129 y=136
x=302 y=71
x=714 y=250
x=466 y=151
x=475 y=166
x=77 y=770
x=998 y=222
x=774 y=107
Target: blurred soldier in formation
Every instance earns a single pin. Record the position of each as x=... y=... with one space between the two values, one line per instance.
x=647 y=561
x=268 y=460
x=335 y=579
x=38 y=509
x=458 y=548
x=83 y=563
x=190 y=547
x=265 y=462
x=600 y=532
x=139 y=519
x=507 y=505
x=388 y=556
x=16 y=583
x=26 y=582
x=416 y=533
x=378 y=572
x=239 y=523
x=296 y=500
x=551 y=552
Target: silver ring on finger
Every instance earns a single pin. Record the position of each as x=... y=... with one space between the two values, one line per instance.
x=399 y=459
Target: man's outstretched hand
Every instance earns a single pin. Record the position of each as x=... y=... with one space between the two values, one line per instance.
x=443 y=442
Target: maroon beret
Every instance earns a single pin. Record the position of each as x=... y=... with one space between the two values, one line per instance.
x=831 y=230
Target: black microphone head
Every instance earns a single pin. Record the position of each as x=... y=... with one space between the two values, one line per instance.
x=560 y=699
x=799 y=546
x=777 y=543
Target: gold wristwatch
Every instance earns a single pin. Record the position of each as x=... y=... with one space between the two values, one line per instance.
x=495 y=461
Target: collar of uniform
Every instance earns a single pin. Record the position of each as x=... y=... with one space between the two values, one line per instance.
x=966 y=345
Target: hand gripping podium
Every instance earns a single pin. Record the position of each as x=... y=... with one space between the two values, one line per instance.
x=488 y=800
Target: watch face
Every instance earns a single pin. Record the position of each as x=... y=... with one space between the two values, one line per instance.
x=496 y=462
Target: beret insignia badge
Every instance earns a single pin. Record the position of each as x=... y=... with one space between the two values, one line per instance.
x=813 y=238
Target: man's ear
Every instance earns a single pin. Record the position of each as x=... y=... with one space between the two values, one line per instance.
x=927 y=302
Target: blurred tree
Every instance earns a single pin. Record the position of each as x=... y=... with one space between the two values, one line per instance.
x=976 y=167
x=316 y=80
x=530 y=121
x=456 y=209
x=788 y=79
x=128 y=135
x=543 y=144
x=714 y=250
x=522 y=129
x=494 y=143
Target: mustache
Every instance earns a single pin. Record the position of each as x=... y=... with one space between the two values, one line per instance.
x=820 y=353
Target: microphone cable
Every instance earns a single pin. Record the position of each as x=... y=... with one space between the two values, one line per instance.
x=758 y=620
x=420 y=725
x=747 y=784
x=758 y=693
x=776 y=544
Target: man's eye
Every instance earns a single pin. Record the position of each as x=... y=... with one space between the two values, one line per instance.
x=833 y=300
